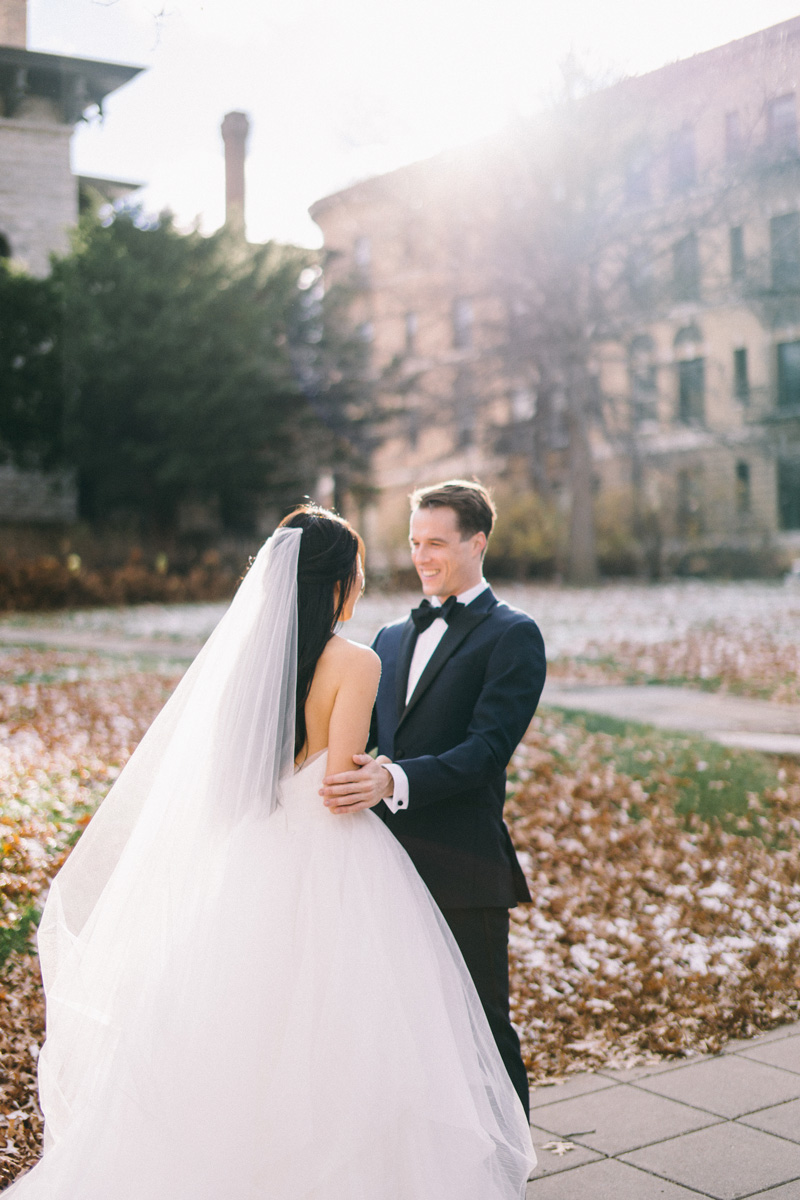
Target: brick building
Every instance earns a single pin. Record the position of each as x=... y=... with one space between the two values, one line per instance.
x=695 y=354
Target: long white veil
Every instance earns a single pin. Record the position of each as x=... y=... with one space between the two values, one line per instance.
x=147 y=871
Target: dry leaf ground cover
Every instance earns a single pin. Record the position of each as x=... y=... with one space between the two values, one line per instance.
x=68 y=723
x=666 y=880
x=742 y=638
x=665 y=874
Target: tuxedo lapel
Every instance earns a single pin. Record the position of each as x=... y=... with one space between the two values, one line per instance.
x=404 y=655
x=461 y=625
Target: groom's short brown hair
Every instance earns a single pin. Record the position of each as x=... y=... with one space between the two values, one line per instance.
x=470 y=501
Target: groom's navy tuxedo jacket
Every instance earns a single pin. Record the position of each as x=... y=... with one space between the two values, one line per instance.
x=469 y=711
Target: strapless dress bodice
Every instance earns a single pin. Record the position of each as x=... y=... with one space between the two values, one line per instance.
x=298 y=794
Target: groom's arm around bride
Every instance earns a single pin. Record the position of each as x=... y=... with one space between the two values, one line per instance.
x=459 y=687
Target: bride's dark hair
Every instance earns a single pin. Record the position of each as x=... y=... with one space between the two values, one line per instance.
x=329 y=550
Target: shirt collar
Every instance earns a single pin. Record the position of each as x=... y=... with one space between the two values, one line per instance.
x=465 y=597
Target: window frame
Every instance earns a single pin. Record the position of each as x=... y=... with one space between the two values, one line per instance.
x=787 y=376
x=686 y=269
x=691 y=397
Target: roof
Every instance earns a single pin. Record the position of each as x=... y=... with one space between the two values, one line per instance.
x=767 y=41
x=76 y=84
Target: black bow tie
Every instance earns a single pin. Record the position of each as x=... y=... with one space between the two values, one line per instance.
x=427 y=613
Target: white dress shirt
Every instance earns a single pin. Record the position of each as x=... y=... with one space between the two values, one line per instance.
x=427 y=641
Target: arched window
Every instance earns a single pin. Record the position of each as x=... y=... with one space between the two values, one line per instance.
x=5 y=246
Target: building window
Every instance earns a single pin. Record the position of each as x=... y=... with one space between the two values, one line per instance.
x=784 y=236
x=523 y=405
x=789 y=375
x=782 y=122
x=637 y=179
x=639 y=277
x=734 y=141
x=412 y=326
x=743 y=504
x=5 y=246
x=789 y=493
x=557 y=423
x=738 y=262
x=462 y=324
x=690 y=503
x=414 y=424
x=682 y=159
x=741 y=380
x=692 y=391
x=686 y=268
x=362 y=258
x=644 y=389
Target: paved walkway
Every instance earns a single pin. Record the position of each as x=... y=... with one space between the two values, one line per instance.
x=732 y=720
x=179 y=649
x=725 y=1126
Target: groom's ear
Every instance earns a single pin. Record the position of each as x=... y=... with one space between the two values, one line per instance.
x=481 y=541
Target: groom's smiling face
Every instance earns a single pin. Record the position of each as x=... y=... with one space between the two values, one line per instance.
x=447 y=563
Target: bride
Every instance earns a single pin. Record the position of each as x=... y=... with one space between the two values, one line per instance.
x=250 y=997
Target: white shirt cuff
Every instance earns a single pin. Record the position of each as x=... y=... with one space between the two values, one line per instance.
x=399 y=799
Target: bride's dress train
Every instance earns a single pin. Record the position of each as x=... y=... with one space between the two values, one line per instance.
x=327 y=1045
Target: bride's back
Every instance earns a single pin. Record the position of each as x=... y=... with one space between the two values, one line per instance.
x=339 y=704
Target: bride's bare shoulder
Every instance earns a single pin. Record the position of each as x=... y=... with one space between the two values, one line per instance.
x=343 y=655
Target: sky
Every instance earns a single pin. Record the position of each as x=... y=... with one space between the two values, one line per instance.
x=338 y=90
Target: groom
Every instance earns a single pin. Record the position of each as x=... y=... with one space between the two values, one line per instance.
x=461 y=680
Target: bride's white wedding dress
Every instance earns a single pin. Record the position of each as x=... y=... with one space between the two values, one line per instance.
x=249 y=997
x=333 y=1048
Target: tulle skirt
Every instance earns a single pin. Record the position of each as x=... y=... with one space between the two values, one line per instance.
x=315 y=1037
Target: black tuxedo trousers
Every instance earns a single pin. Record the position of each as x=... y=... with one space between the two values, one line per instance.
x=454 y=739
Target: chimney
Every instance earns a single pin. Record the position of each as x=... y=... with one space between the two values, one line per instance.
x=14 y=23
x=235 y=128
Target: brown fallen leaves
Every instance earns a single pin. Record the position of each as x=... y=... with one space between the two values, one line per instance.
x=61 y=746
x=651 y=933
x=21 y=1033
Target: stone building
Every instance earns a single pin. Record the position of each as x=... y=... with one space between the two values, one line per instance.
x=42 y=98
x=694 y=358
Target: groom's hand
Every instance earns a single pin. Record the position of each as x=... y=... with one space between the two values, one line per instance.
x=350 y=791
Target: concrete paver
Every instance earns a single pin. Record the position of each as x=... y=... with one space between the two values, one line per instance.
x=729 y=1085
x=726 y=1161
x=608 y=1179
x=783 y=1119
x=575 y=1085
x=550 y=1163
x=619 y=1119
x=785 y=1191
x=735 y=1045
x=713 y=1153
x=784 y=1054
